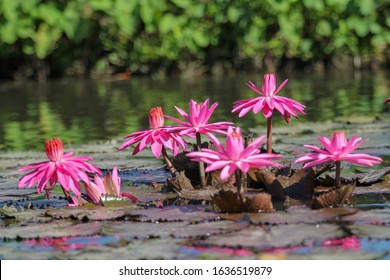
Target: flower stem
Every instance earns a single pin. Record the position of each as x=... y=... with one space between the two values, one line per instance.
x=338 y=172
x=269 y=135
x=67 y=195
x=168 y=163
x=240 y=189
x=202 y=175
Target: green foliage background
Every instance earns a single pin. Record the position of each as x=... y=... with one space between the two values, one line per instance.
x=80 y=37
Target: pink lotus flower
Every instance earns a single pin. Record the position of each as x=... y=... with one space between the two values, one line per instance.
x=234 y=155
x=158 y=136
x=387 y=101
x=109 y=185
x=268 y=101
x=338 y=148
x=197 y=120
x=64 y=168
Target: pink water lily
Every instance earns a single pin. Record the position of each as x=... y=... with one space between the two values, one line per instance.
x=268 y=101
x=234 y=155
x=158 y=136
x=68 y=170
x=197 y=121
x=337 y=149
x=387 y=101
x=109 y=185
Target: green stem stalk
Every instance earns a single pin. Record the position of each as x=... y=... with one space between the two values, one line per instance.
x=202 y=175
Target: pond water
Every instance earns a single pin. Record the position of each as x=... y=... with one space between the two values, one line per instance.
x=80 y=111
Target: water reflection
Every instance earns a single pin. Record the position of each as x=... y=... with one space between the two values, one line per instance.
x=81 y=111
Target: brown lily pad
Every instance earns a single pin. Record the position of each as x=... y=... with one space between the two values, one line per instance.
x=229 y=202
x=146 y=194
x=180 y=183
x=54 y=229
x=31 y=215
x=376 y=216
x=276 y=236
x=190 y=213
x=206 y=194
x=174 y=229
x=294 y=217
x=184 y=164
x=333 y=198
x=299 y=184
x=371 y=231
x=96 y=214
x=335 y=254
x=373 y=177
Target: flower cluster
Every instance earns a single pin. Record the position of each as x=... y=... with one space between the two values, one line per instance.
x=233 y=157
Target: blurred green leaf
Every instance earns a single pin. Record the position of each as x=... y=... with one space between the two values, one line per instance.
x=9 y=9
x=167 y=23
x=366 y=6
x=8 y=32
x=100 y=5
x=324 y=28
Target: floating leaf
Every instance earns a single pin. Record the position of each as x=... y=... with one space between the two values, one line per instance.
x=147 y=194
x=144 y=176
x=371 y=231
x=96 y=214
x=31 y=215
x=54 y=229
x=229 y=202
x=377 y=216
x=294 y=217
x=374 y=176
x=276 y=236
x=174 y=229
x=335 y=254
x=191 y=213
